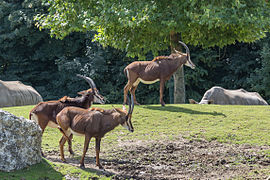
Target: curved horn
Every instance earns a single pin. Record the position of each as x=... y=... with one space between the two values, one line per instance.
x=191 y=65
x=187 y=49
x=131 y=104
x=88 y=80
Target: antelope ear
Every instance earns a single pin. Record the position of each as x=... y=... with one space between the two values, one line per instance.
x=81 y=92
x=118 y=110
x=176 y=51
x=63 y=99
x=192 y=101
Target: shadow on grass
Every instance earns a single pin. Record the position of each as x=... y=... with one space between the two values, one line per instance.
x=89 y=161
x=112 y=164
x=43 y=170
x=171 y=108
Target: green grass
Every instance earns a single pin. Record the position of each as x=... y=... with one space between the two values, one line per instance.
x=48 y=170
x=226 y=124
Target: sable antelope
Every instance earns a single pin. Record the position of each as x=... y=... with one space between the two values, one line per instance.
x=91 y=123
x=160 y=69
x=219 y=95
x=45 y=112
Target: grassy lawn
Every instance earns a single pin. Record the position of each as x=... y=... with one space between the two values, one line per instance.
x=226 y=124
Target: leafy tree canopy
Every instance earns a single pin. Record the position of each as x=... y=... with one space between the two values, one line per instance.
x=142 y=26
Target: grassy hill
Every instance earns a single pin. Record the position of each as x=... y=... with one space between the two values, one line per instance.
x=153 y=124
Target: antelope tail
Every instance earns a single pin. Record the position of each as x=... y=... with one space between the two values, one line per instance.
x=126 y=73
x=63 y=133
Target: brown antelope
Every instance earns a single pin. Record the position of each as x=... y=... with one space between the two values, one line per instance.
x=160 y=69
x=45 y=112
x=91 y=123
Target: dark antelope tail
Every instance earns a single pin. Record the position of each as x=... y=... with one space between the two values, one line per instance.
x=62 y=131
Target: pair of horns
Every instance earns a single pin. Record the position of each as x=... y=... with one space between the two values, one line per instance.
x=88 y=80
x=185 y=46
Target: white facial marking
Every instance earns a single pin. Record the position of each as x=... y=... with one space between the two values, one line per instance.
x=125 y=126
x=190 y=64
x=97 y=100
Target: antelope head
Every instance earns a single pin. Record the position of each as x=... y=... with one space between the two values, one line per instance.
x=188 y=63
x=98 y=98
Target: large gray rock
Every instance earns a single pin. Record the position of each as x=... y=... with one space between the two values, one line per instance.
x=15 y=93
x=20 y=142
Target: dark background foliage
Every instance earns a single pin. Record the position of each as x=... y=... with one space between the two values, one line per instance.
x=50 y=65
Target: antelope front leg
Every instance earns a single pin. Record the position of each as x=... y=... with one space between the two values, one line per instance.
x=132 y=91
x=43 y=125
x=70 y=145
x=61 y=144
x=86 y=144
x=161 y=88
x=97 y=152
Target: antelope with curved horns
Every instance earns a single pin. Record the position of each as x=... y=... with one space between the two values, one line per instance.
x=91 y=123
x=45 y=112
x=160 y=69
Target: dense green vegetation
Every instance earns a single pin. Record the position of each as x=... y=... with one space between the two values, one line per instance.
x=50 y=65
x=99 y=49
x=153 y=26
x=226 y=124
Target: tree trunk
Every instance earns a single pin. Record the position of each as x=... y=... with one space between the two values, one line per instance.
x=179 y=80
x=179 y=86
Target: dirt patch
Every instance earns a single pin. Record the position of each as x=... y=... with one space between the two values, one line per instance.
x=180 y=159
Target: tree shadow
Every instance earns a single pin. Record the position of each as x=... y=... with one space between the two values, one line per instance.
x=89 y=161
x=171 y=108
x=42 y=170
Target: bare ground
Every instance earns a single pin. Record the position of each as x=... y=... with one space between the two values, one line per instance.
x=179 y=159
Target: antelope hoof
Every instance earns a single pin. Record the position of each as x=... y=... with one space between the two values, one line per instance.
x=99 y=166
x=137 y=103
x=163 y=104
x=42 y=154
x=63 y=159
x=71 y=152
x=82 y=166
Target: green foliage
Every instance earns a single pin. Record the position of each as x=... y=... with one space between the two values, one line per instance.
x=259 y=79
x=29 y=55
x=206 y=74
x=50 y=65
x=142 y=26
x=239 y=63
